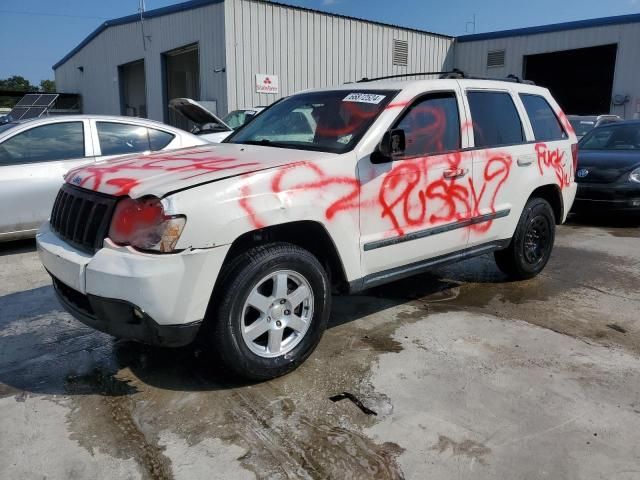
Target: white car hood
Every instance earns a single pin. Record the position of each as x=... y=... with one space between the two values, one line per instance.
x=164 y=172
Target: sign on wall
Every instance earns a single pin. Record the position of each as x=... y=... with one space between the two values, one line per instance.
x=267 y=83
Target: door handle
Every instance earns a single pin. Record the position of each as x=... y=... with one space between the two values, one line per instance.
x=455 y=173
x=525 y=160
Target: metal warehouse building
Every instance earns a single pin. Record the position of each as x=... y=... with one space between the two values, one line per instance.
x=591 y=66
x=246 y=53
x=227 y=51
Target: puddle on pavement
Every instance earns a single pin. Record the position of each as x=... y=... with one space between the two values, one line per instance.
x=285 y=425
x=133 y=393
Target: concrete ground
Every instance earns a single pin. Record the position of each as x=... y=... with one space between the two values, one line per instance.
x=459 y=373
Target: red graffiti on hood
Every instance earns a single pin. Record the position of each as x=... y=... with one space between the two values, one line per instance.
x=114 y=172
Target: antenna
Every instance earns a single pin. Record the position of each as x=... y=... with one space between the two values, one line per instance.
x=141 y=10
x=473 y=25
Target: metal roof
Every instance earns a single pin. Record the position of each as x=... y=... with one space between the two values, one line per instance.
x=192 y=4
x=555 y=27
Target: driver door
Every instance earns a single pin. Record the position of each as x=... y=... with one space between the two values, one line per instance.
x=418 y=199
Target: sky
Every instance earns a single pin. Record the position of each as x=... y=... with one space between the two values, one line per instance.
x=36 y=34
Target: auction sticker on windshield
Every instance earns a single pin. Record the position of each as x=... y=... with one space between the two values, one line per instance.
x=364 y=98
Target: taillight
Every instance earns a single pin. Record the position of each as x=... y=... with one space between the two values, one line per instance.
x=574 y=154
x=142 y=223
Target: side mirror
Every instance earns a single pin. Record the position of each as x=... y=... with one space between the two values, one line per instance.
x=393 y=144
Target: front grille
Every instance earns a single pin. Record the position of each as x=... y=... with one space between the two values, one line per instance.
x=82 y=217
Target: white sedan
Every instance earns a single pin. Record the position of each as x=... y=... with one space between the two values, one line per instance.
x=35 y=154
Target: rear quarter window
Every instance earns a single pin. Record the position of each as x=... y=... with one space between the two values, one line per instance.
x=496 y=121
x=546 y=126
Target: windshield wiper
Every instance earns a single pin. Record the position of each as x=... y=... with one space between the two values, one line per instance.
x=264 y=141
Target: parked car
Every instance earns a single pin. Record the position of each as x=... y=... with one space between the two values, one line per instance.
x=208 y=125
x=35 y=155
x=244 y=242
x=583 y=124
x=608 y=172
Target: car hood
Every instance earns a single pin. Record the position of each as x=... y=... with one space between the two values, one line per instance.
x=197 y=113
x=605 y=166
x=164 y=172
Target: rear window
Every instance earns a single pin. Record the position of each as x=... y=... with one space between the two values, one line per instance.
x=124 y=138
x=546 y=126
x=495 y=119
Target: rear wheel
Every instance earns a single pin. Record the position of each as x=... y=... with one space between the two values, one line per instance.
x=532 y=243
x=270 y=312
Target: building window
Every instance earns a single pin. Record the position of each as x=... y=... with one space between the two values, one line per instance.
x=400 y=52
x=495 y=58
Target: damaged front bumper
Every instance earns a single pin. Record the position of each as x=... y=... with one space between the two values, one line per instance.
x=159 y=299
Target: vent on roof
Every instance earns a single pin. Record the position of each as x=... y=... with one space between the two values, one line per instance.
x=400 y=52
x=495 y=58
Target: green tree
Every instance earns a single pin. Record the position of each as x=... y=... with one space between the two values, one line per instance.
x=17 y=83
x=48 y=86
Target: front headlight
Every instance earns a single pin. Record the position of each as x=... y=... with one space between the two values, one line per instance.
x=635 y=176
x=143 y=224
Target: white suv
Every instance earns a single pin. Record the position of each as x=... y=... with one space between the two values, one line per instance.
x=241 y=244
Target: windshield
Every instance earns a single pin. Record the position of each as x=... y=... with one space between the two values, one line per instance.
x=327 y=121
x=582 y=126
x=613 y=137
x=238 y=118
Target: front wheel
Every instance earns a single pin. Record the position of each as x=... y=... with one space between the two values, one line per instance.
x=531 y=245
x=270 y=312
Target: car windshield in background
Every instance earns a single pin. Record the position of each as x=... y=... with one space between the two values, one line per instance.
x=613 y=137
x=327 y=121
x=238 y=118
x=582 y=126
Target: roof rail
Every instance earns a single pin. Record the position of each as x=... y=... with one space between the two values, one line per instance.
x=455 y=73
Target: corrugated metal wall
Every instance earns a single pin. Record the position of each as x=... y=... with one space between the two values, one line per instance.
x=471 y=57
x=120 y=44
x=307 y=49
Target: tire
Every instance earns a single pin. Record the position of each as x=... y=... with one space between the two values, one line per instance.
x=232 y=320
x=532 y=243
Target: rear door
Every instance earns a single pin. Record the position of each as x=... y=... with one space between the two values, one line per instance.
x=502 y=154
x=32 y=166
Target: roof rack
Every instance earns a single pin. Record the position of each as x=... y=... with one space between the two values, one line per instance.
x=455 y=73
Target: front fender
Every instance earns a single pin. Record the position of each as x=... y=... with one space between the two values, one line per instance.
x=220 y=212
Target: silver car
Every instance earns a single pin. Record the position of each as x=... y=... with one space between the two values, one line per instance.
x=35 y=155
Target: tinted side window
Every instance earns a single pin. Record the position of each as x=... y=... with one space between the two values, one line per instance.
x=495 y=119
x=159 y=139
x=432 y=125
x=121 y=138
x=546 y=126
x=57 y=141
